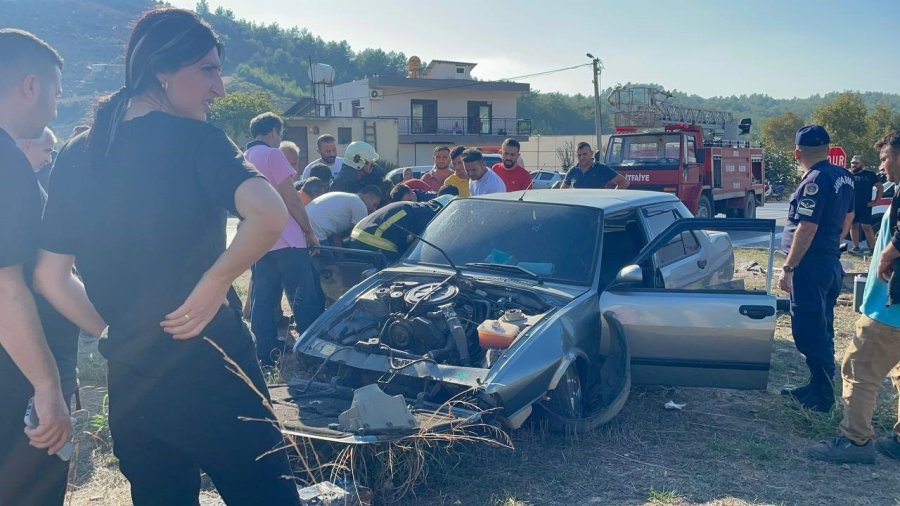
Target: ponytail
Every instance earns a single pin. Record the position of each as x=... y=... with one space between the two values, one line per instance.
x=107 y=117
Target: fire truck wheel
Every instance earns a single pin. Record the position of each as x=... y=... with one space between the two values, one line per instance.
x=750 y=207
x=705 y=208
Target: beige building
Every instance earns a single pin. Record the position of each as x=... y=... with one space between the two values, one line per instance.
x=440 y=105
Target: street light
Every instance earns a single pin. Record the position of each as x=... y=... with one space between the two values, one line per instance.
x=597 y=64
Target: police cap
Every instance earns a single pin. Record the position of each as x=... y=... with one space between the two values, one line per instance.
x=812 y=135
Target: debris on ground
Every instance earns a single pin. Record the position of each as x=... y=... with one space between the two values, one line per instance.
x=373 y=410
x=331 y=494
x=674 y=406
x=753 y=267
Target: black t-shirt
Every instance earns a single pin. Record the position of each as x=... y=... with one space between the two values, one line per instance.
x=143 y=228
x=598 y=175
x=863 y=182
x=349 y=181
x=21 y=204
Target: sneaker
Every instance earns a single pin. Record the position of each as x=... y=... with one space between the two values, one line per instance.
x=841 y=450
x=888 y=446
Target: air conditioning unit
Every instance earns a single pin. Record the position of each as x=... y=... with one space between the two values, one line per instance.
x=376 y=94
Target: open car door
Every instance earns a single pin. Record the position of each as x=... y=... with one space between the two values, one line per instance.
x=692 y=318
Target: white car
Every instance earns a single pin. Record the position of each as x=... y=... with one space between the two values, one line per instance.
x=545 y=179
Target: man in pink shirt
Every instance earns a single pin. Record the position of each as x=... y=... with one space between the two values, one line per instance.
x=435 y=177
x=514 y=176
x=287 y=265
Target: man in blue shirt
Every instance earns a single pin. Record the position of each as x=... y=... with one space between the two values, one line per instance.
x=591 y=174
x=820 y=209
x=875 y=350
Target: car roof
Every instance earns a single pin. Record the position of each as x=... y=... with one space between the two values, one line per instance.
x=608 y=200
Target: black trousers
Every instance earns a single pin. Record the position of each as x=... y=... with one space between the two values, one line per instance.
x=816 y=286
x=27 y=475
x=199 y=415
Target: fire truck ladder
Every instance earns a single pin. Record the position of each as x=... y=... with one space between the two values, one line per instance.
x=647 y=107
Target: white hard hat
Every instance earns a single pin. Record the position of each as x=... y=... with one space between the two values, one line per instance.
x=359 y=154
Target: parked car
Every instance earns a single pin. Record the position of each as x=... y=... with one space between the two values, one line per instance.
x=535 y=302
x=545 y=179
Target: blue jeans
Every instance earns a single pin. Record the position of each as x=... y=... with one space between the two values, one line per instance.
x=288 y=269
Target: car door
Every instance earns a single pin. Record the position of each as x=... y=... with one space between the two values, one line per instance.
x=716 y=333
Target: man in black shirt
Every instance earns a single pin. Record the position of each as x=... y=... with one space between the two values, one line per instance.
x=863 y=182
x=359 y=169
x=592 y=174
x=29 y=473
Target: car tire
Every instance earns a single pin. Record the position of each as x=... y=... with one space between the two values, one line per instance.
x=611 y=388
x=705 y=208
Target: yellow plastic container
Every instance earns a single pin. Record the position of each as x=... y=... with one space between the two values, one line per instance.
x=497 y=334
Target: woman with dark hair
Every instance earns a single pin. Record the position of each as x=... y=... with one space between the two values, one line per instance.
x=139 y=203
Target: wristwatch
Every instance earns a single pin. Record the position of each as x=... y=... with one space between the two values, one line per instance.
x=788 y=268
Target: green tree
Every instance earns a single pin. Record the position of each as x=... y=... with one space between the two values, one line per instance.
x=232 y=113
x=778 y=132
x=882 y=120
x=845 y=119
x=781 y=166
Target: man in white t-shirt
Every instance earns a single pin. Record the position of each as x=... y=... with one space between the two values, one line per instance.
x=326 y=146
x=482 y=180
x=334 y=214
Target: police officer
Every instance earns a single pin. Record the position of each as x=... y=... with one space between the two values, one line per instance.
x=390 y=229
x=820 y=208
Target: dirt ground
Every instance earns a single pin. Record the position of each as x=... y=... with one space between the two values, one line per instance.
x=725 y=447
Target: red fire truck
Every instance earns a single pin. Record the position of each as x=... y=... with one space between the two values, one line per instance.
x=692 y=153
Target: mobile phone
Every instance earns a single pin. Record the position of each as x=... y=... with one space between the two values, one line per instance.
x=31 y=421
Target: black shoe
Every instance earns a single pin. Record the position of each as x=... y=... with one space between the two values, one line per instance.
x=797 y=393
x=841 y=450
x=820 y=399
x=888 y=446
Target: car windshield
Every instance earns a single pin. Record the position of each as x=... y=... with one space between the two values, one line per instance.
x=645 y=150
x=555 y=241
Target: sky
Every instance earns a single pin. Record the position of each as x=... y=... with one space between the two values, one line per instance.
x=783 y=48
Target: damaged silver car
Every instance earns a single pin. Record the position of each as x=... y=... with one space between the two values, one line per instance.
x=546 y=303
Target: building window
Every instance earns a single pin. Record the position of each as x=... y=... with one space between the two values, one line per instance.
x=345 y=135
x=340 y=106
x=423 y=117
x=460 y=70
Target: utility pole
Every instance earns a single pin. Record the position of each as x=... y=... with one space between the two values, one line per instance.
x=599 y=130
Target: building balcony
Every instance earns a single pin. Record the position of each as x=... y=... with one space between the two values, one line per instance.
x=461 y=130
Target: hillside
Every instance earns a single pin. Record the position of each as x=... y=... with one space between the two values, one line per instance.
x=91 y=35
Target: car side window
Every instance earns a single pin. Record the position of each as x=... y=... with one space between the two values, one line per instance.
x=681 y=246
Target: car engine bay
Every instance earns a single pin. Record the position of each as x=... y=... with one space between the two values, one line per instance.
x=456 y=321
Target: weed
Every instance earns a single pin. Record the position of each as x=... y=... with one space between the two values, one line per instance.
x=662 y=497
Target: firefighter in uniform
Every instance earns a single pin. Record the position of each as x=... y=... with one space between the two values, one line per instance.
x=391 y=229
x=819 y=211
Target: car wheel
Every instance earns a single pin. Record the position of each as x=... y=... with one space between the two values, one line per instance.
x=705 y=208
x=608 y=389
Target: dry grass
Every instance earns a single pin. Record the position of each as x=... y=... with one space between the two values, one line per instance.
x=726 y=448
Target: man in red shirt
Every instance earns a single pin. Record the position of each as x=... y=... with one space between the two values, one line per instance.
x=435 y=177
x=514 y=176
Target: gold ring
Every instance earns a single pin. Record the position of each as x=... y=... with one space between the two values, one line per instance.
x=188 y=316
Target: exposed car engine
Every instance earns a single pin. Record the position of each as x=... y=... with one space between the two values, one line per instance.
x=449 y=321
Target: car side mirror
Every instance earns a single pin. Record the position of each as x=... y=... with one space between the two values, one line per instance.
x=630 y=275
x=700 y=155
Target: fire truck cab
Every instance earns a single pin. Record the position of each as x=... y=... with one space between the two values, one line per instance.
x=708 y=173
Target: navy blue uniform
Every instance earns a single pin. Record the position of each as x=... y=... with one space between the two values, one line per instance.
x=598 y=175
x=825 y=196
